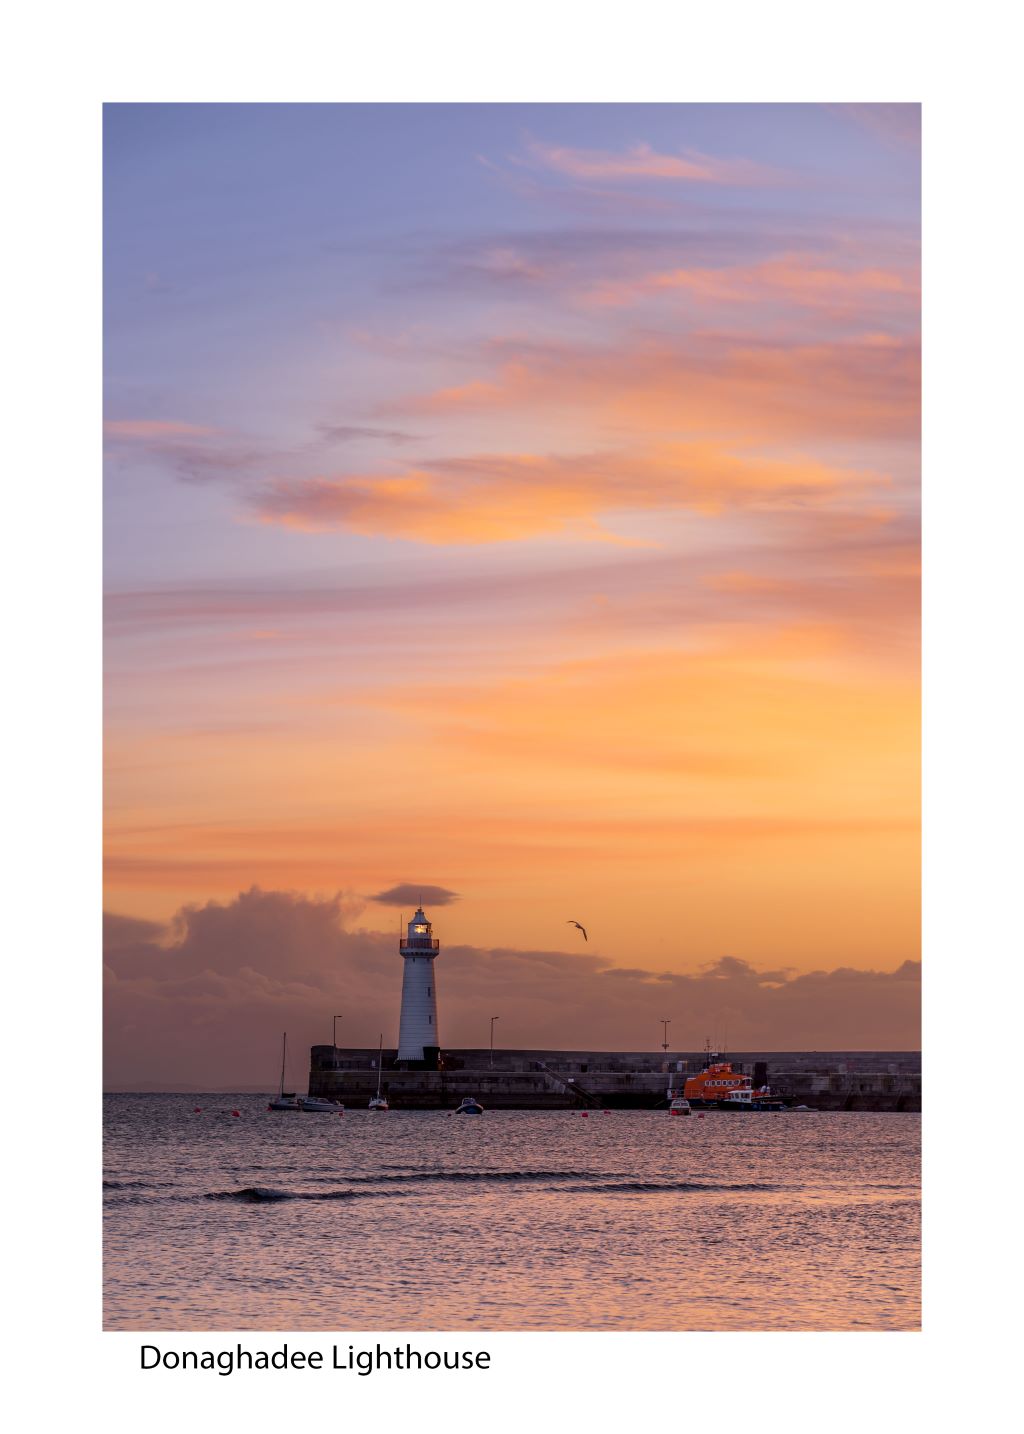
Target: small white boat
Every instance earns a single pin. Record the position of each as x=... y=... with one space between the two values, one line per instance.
x=283 y=1100
x=470 y=1106
x=379 y=1102
x=316 y=1104
x=679 y=1105
x=752 y=1100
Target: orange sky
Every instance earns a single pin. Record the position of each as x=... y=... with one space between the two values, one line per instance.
x=542 y=526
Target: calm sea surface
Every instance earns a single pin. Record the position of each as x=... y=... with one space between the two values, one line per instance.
x=519 y=1220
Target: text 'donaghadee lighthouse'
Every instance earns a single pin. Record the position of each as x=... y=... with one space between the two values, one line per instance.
x=418 y=1039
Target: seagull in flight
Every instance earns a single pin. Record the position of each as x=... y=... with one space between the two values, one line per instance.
x=578 y=928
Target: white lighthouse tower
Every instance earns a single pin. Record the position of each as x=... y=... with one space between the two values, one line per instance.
x=418 y=1039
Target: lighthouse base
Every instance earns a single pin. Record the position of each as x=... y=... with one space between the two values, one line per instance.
x=431 y=1061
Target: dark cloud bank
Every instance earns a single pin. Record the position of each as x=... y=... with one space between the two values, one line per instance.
x=203 y=1002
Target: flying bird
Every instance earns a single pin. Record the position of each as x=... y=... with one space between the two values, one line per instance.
x=578 y=928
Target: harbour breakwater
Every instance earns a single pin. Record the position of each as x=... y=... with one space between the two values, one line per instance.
x=562 y=1080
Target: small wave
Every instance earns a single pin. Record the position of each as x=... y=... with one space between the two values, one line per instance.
x=502 y=1176
x=127 y=1185
x=260 y=1194
x=370 y=1187
x=686 y=1187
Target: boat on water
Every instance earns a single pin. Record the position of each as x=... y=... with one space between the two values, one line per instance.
x=285 y=1099
x=679 y=1105
x=316 y=1104
x=720 y=1087
x=753 y=1100
x=379 y=1102
x=470 y=1106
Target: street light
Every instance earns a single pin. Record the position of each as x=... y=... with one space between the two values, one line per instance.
x=335 y=1043
x=664 y=1030
x=493 y=1019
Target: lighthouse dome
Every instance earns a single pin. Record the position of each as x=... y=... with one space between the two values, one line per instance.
x=419 y=925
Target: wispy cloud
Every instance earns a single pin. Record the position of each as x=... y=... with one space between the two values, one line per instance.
x=745 y=385
x=896 y=125
x=354 y=433
x=507 y=497
x=793 y=279
x=781 y=683
x=155 y=430
x=642 y=162
x=856 y=567
x=571 y=254
x=195 y=453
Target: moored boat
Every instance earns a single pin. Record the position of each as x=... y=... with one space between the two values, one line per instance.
x=470 y=1106
x=720 y=1087
x=316 y=1104
x=715 y=1082
x=284 y=1100
x=679 y=1105
x=379 y=1102
x=754 y=1100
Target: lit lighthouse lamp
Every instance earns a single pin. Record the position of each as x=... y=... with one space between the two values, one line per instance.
x=418 y=1039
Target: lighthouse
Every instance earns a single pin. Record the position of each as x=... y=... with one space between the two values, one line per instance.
x=418 y=1039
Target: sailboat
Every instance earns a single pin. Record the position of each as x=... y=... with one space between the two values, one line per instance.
x=379 y=1102
x=284 y=1101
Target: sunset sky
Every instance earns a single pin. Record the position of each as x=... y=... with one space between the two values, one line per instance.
x=517 y=503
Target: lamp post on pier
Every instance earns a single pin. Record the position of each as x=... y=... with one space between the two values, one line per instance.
x=493 y=1019
x=664 y=1031
x=335 y=1041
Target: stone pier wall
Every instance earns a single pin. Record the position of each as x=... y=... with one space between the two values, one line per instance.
x=563 y=1080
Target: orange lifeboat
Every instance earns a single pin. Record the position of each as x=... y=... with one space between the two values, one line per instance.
x=714 y=1083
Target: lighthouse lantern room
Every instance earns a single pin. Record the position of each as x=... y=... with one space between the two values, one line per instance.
x=418 y=1039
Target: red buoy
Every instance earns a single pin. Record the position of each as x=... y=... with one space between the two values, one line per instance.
x=236 y=1112
x=585 y=1114
x=197 y=1110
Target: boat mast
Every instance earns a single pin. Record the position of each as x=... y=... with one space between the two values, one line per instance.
x=380 y=1052
x=284 y=1050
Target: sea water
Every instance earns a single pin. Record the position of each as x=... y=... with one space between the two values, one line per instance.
x=513 y=1220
